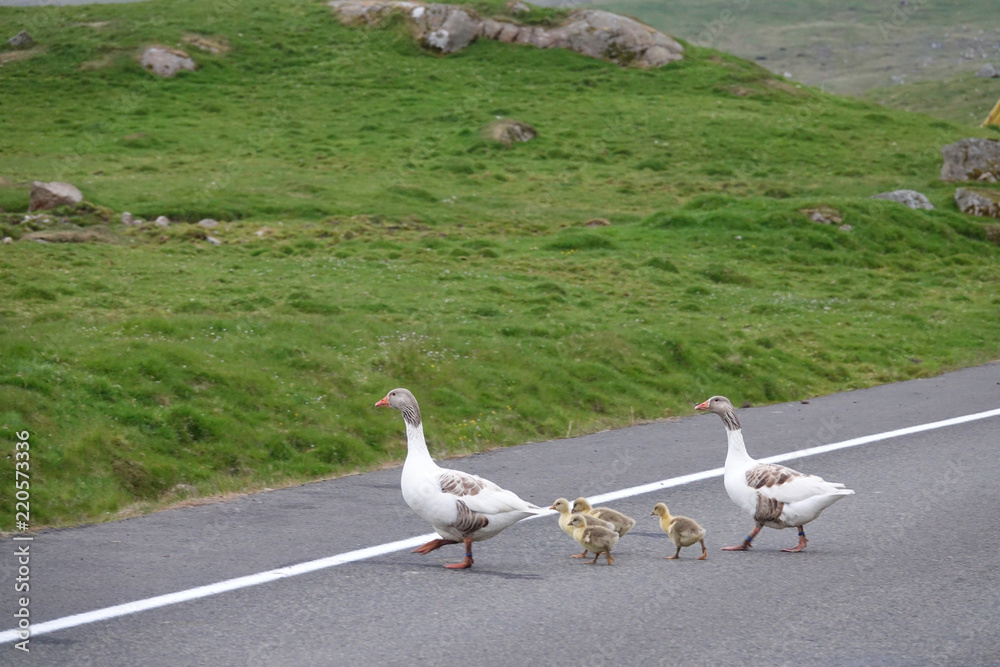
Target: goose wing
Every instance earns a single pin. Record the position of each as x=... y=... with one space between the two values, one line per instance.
x=785 y=485
x=481 y=495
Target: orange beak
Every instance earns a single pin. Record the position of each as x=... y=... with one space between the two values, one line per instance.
x=702 y=406
x=384 y=403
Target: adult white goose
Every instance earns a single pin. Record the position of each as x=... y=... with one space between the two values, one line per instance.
x=776 y=496
x=461 y=507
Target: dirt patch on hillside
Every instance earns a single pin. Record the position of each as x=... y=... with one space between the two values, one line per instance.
x=14 y=56
x=212 y=44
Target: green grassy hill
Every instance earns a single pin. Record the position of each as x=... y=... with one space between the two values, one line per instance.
x=374 y=238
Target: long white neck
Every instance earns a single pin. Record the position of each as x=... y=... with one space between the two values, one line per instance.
x=737 y=448
x=416 y=446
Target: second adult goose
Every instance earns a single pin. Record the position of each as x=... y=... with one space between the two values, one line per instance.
x=461 y=507
x=775 y=496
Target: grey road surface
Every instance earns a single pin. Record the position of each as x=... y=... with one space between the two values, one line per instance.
x=905 y=572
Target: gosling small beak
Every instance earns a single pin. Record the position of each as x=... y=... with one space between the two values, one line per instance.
x=652 y=514
x=552 y=507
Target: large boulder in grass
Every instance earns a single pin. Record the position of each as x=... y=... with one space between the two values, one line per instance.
x=978 y=202
x=166 y=62
x=971 y=160
x=441 y=28
x=911 y=198
x=449 y=28
x=50 y=195
x=621 y=40
x=445 y=28
x=21 y=40
x=507 y=130
x=989 y=71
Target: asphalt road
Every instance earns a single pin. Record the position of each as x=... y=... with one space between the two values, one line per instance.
x=905 y=572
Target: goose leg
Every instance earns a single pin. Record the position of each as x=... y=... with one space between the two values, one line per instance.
x=747 y=542
x=675 y=556
x=610 y=559
x=432 y=545
x=704 y=551
x=583 y=555
x=468 y=557
x=802 y=542
x=596 y=556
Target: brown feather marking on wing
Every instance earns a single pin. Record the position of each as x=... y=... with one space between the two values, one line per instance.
x=768 y=509
x=468 y=522
x=460 y=485
x=769 y=474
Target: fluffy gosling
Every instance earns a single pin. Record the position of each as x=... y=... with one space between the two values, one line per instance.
x=562 y=506
x=621 y=523
x=682 y=531
x=593 y=538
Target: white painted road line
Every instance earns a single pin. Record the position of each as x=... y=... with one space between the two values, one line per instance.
x=390 y=547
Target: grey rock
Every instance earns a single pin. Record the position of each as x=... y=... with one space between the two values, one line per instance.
x=213 y=240
x=989 y=71
x=978 y=203
x=969 y=159
x=517 y=7
x=449 y=28
x=166 y=62
x=21 y=40
x=911 y=198
x=127 y=219
x=208 y=223
x=49 y=195
x=162 y=221
x=508 y=130
x=619 y=39
x=7 y=240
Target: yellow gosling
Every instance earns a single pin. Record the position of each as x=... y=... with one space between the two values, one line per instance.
x=562 y=506
x=593 y=538
x=621 y=523
x=681 y=530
